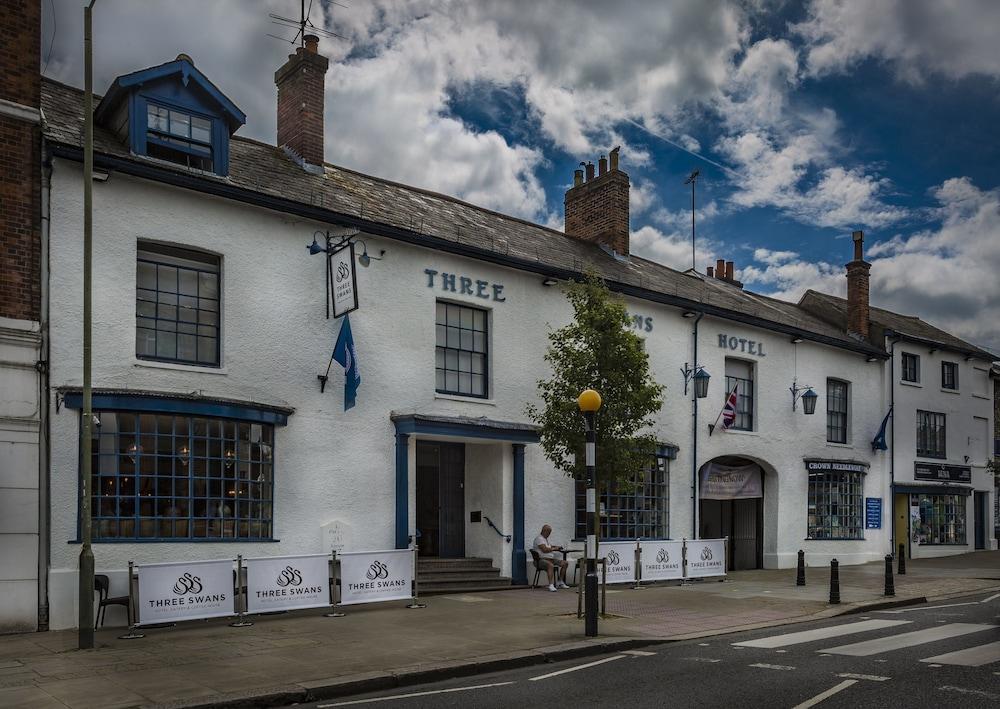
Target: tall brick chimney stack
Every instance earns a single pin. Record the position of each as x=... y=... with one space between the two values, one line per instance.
x=858 y=315
x=597 y=208
x=300 y=85
x=20 y=161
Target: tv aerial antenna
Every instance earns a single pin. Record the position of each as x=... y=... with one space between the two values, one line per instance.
x=691 y=180
x=304 y=25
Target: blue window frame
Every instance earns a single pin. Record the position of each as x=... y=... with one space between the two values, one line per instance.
x=179 y=136
x=177 y=305
x=170 y=477
x=630 y=511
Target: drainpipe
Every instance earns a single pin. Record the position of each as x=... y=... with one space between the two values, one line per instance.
x=694 y=433
x=893 y=542
x=45 y=448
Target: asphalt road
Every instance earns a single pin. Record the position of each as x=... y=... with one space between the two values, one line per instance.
x=933 y=655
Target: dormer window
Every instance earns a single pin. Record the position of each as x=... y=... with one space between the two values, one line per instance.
x=172 y=112
x=178 y=137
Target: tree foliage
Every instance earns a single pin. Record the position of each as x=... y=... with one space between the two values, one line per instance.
x=598 y=350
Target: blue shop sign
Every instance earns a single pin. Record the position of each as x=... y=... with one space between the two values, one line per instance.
x=463 y=285
x=873 y=513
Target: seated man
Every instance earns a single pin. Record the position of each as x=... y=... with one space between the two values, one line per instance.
x=546 y=552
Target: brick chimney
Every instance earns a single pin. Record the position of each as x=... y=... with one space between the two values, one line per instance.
x=20 y=161
x=597 y=208
x=858 y=316
x=724 y=271
x=300 y=85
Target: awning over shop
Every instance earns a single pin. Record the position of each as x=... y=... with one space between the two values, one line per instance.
x=465 y=427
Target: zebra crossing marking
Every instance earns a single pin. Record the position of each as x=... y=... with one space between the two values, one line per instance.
x=805 y=636
x=870 y=678
x=970 y=657
x=917 y=637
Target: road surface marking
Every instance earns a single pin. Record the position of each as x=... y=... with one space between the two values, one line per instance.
x=870 y=678
x=701 y=659
x=933 y=665
x=917 y=637
x=929 y=608
x=578 y=667
x=991 y=598
x=807 y=636
x=963 y=690
x=781 y=651
x=411 y=695
x=765 y=666
x=970 y=657
x=638 y=653
x=703 y=644
x=825 y=695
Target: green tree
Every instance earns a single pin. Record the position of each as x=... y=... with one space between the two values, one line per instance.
x=598 y=350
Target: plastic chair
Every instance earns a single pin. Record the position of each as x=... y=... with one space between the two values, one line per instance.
x=102 y=584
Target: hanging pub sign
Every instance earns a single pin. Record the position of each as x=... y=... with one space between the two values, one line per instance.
x=343 y=281
x=187 y=590
x=944 y=473
x=285 y=583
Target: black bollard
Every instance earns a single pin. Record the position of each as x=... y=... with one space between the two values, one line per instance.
x=834 y=581
x=890 y=589
x=902 y=560
x=800 y=576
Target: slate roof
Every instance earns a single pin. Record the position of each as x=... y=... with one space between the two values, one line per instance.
x=398 y=211
x=908 y=326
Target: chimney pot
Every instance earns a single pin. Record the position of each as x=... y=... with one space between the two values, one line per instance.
x=614 y=157
x=730 y=271
x=859 y=241
x=590 y=171
x=858 y=283
x=720 y=268
x=602 y=165
x=577 y=178
x=312 y=43
x=711 y=272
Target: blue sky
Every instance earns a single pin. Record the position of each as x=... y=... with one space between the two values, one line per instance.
x=807 y=120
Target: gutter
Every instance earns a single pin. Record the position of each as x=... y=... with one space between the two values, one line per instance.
x=695 y=481
x=45 y=445
x=287 y=206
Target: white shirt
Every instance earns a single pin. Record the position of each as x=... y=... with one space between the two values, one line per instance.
x=537 y=546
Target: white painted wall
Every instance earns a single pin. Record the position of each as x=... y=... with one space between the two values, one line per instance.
x=336 y=465
x=20 y=411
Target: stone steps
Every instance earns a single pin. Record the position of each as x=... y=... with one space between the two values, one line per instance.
x=436 y=575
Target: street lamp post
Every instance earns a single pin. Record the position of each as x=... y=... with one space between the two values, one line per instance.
x=589 y=402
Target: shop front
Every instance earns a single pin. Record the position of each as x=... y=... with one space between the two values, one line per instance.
x=933 y=511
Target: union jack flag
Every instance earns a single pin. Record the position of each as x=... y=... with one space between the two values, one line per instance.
x=729 y=410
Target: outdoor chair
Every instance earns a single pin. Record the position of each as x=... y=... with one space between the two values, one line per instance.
x=102 y=585
x=539 y=567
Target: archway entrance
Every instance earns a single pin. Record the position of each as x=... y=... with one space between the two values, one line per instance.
x=731 y=504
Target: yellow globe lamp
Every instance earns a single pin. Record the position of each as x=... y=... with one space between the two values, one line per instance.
x=589 y=401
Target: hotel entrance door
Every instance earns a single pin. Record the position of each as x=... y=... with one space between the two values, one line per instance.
x=441 y=499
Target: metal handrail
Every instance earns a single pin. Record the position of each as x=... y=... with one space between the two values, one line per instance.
x=496 y=529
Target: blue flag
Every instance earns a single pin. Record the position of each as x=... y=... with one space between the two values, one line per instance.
x=346 y=357
x=878 y=443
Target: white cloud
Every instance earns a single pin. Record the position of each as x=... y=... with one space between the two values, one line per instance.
x=955 y=39
x=672 y=248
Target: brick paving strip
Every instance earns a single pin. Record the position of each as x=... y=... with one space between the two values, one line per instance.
x=304 y=656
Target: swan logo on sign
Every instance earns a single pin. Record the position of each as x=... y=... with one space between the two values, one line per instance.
x=613 y=558
x=706 y=554
x=662 y=557
x=289 y=576
x=343 y=272
x=377 y=571
x=186 y=584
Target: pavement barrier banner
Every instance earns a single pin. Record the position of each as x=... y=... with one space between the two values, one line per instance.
x=374 y=576
x=287 y=582
x=620 y=558
x=705 y=557
x=186 y=590
x=661 y=560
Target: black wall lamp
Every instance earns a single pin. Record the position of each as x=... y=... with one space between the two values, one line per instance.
x=700 y=378
x=364 y=259
x=807 y=395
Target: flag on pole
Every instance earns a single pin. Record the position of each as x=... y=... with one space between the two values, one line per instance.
x=346 y=357
x=728 y=413
x=878 y=443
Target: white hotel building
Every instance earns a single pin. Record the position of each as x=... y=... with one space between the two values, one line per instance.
x=210 y=330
